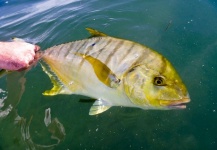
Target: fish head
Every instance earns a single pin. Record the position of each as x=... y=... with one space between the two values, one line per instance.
x=155 y=85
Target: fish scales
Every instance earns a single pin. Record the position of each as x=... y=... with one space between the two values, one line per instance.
x=66 y=52
x=115 y=71
x=107 y=49
x=103 y=47
x=90 y=49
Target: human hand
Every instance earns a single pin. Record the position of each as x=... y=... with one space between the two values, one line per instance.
x=17 y=55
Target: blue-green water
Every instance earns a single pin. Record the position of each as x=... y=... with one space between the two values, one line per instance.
x=183 y=31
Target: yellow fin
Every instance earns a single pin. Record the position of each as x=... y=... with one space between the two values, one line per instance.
x=95 y=33
x=58 y=87
x=98 y=107
x=102 y=71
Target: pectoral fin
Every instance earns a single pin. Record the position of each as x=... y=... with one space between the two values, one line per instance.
x=98 y=107
x=102 y=71
x=58 y=87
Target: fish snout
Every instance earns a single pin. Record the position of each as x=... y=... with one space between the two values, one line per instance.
x=176 y=104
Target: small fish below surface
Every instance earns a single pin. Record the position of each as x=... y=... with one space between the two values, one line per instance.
x=114 y=71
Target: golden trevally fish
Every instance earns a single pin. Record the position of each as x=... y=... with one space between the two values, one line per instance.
x=114 y=71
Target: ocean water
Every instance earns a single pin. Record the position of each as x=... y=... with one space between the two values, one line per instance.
x=183 y=31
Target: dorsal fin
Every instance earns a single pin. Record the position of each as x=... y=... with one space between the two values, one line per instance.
x=95 y=33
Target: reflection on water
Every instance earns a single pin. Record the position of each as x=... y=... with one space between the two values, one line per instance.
x=189 y=42
x=47 y=117
x=3 y=97
x=8 y=113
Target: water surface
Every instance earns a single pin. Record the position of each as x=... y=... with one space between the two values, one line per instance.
x=183 y=31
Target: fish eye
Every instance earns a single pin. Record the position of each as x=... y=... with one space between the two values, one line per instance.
x=159 y=81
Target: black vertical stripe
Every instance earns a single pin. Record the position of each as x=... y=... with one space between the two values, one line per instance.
x=91 y=45
x=107 y=42
x=119 y=44
x=60 y=49
x=137 y=61
x=69 y=49
x=81 y=45
x=100 y=40
x=89 y=48
x=127 y=53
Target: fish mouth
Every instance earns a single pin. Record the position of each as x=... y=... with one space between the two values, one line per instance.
x=175 y=104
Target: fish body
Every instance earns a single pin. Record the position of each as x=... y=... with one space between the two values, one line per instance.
x=114 y=71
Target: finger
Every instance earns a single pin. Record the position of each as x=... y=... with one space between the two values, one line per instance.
x=37 y=48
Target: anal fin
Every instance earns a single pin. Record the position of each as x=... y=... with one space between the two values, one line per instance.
x=98 y=107
x=58 y=87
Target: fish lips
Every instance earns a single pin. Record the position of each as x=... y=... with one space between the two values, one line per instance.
x=175 y=104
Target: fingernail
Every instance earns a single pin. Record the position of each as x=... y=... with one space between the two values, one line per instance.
x=37 y=48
